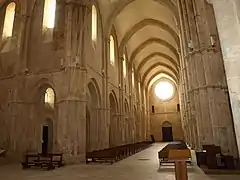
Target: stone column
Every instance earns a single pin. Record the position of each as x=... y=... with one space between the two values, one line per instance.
x=183 y=91
x=72 y=104
x=211 y=122
x=190 y=120
x=105 y=96
x=121 y=102
x=228 y=24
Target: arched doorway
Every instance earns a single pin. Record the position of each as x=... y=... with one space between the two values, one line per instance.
x=47 y=136
x=92 y=117
x=46 y=114
x=167 y=132
x=113 y=139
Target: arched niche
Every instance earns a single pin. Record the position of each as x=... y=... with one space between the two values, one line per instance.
x=133 y=124
x=127 y=123
x=113 y=131
x=92 y=115
x=113 y=102
x=126 y=108
x=93 y=94
x=45 y=100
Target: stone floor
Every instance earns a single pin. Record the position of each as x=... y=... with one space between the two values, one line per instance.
x=141 y=166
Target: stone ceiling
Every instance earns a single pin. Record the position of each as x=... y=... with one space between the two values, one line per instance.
x=148 y=31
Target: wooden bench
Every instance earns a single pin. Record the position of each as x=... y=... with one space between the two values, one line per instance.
x=170 y=151
x=114 y=154
x=49 y=161
x=57 y=158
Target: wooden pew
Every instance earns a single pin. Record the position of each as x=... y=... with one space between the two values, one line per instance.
x=114 y=154
x=165 y=153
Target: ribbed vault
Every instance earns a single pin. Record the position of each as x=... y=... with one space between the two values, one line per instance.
x=150 y=37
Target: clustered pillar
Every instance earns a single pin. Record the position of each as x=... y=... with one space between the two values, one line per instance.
x=71 y=125
x=204 y=93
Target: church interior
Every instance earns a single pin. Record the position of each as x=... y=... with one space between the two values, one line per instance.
x=132 y=82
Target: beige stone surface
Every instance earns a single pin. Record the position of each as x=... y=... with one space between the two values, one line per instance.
x=227 y=15
x=165 y=111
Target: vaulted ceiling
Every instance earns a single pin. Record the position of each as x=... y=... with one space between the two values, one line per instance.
x=148 y=31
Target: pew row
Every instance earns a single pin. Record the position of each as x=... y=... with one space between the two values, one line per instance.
x=174 y=151
x=114 y=154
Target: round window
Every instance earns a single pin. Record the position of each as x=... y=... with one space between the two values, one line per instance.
x=164 y=90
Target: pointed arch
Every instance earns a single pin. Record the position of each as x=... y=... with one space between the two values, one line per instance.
x=92 y=115
x=155 y=65
x=149 y=82
x=113 y=101
x=146 y=22
x=166 y=124
x=117 y=9
x=152 y=41
x=114 y=121
x=126 y=107
x=39 y=90
x=157 y=54
x=93 y=93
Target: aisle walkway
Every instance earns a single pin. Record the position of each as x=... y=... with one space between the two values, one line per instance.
x=141 y=166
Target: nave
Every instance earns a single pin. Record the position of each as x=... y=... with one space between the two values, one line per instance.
x=141 y=166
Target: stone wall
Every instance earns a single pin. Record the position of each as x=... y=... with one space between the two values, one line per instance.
x=165 y=111
x=68 y=63
x=227 y=17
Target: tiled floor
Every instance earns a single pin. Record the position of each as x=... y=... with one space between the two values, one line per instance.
x=141 y=166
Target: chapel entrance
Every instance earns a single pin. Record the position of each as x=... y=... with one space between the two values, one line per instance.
x=167 y=132
x=47 y=135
